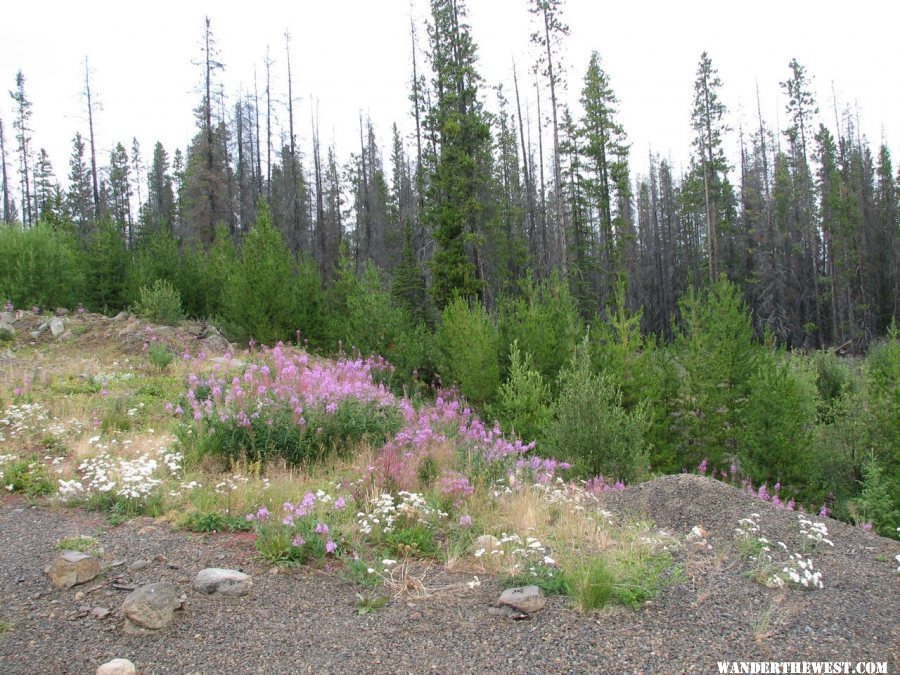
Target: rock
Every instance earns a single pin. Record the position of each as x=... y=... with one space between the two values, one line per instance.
x=61 y=311
x=215 y=580
x=7 y=317
x=100 y=612
x=65 y=336
x=35 y=334
x=79 y=596
x=121 y=316
x=527 y=599
x=57 y=327
x=117 y=667
x=130 y=330
x=152 y=606
x=138 y=565
x=7 y=329
x=73 y=567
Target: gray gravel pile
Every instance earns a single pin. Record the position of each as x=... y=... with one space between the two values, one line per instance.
x=307 y=621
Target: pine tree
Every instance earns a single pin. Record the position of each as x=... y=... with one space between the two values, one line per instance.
x=707 y=120
x=79 y=201
x=159 y=211
x=801 y=108
x=7 y=214
x=457 y=119
x=22 y=127
x=119 y=192
x=45 y=189
x=605 y=147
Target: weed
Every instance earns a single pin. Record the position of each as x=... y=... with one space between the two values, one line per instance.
x=160 y=356
x=215 y=522
x=28 y=476
x=370 y=603
x=81 y=543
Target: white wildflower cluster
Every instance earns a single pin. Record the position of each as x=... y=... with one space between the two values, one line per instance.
x=816 y=532
x=523 y=554
x=19 y=420
x=72 y=427
x=3 y=460
x=799 y=570
x=134 y=478
x=776 y=566
x=388 y=511
x=231 y=484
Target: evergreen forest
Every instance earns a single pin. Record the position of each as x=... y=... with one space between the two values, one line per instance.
x=733 y=318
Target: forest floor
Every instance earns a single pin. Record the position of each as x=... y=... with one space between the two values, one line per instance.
x=304 y=619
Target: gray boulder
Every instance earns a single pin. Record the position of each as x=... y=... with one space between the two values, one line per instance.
x=117 y=667
x=215 y=580
x=527 y=599
x=72 y=568
x=152 y=606
x=57 y=326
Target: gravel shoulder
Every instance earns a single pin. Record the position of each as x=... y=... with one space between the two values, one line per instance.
x=306 y=620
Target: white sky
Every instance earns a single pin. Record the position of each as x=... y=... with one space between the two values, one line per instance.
x=354 y=55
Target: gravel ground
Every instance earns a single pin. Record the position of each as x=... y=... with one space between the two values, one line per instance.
x=306 y=621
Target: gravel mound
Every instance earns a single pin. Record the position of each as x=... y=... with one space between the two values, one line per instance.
x=306 y=620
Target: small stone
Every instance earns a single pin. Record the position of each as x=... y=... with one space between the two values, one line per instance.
x=79 y=596
x=43 y=328
x=138 y=565
x=35 y=334
x=7 y=329
x=117 y=667
x=7 y=317
x=61 y=311
x=65 y=336
x=72 y=568
x=152 y=606
x=231 y=583
x=57 y=327
x=524 y=598
x=100 y=612
x=121 y=316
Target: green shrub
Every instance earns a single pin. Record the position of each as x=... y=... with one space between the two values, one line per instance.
x=215 y=522
x=778 y=420
x=875 y=504
x=468 y=351
x=411 y=542
x=106 y=261
x=40 y=266
x=268 y=295
x=275 y=434
x=27 y=475
x=591 y=429
x=155 y=258
x=159 y=355
x=161 y=303
x=523 y=406
x=832 y=382
x=717 y=356
x=543 y=320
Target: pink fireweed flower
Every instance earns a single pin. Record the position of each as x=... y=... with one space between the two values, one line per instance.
x=702 y=467
x=298 y=541
x=824 y=512
x=465 y=520
x=867 y=527
x=321 y=528
x=330 y=546
x=339 y=504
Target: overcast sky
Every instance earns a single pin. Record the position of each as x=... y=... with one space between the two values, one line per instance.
x=354 y=55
